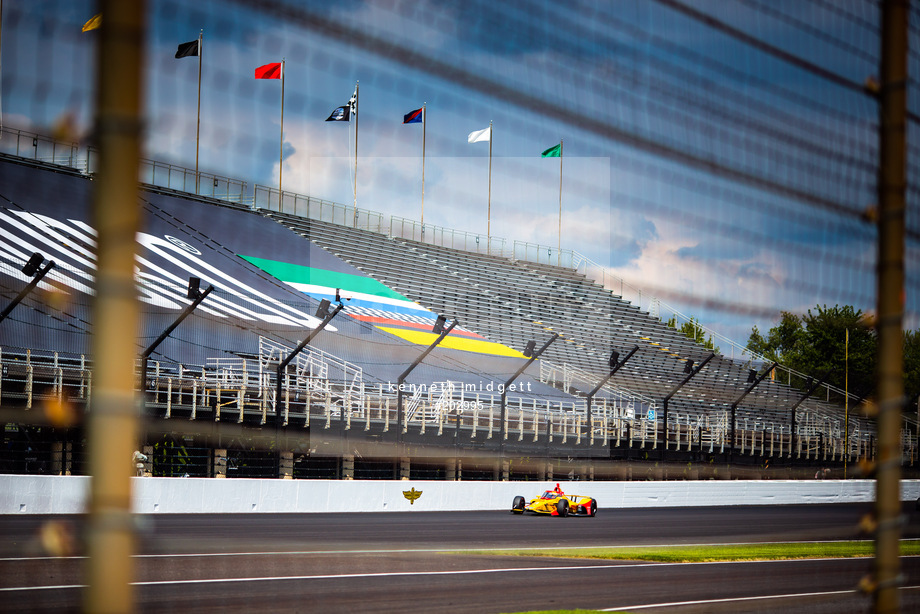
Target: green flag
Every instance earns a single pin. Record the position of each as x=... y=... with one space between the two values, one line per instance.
x=553 y=152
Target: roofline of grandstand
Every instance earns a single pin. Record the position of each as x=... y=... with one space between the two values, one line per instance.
x=66 y=157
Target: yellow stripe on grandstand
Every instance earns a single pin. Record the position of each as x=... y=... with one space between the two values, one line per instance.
x=454 y=343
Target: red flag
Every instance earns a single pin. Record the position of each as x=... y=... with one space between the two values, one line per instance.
x=269 y=71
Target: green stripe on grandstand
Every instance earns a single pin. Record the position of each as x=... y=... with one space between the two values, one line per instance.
x=297 y=273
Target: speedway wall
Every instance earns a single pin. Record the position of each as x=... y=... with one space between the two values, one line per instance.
x=21 y=494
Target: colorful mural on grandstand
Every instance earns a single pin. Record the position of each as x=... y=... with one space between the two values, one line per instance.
x=262 y=294
x=368 y=300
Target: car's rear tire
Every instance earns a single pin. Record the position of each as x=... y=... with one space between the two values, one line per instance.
x=562 y=507
x=592 y=508
x=517 y=507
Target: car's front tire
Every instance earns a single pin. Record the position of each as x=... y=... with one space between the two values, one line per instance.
x=517 y=506
x=592 y=508
x=562 y=507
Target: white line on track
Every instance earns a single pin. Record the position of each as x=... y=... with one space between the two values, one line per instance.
x=674 y=604
x=58 y=587
x=426 y=573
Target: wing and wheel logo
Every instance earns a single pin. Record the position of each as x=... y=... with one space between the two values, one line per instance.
x=183 y=245
x=412 y=495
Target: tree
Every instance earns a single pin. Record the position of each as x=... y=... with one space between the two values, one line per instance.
x=912 y=367
x=693 y=330
x=783 y=341
x=816 y=343
x=825 y=348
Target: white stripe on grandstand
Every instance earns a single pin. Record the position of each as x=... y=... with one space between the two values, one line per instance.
x=393 y=315
x=361 y=296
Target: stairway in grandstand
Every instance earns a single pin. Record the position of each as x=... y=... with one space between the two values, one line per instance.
x=513 y=301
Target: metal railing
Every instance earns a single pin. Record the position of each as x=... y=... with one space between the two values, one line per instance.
x=34 y=146
x=479 y=243
x=230 y=391
x=543 y=254
x=48 y=380
x=566 y=376
x=183 y=179
x=265 y=197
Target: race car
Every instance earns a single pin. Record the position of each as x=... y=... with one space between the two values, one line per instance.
x=556 y=503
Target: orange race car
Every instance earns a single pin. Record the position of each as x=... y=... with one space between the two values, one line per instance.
x=556 y=503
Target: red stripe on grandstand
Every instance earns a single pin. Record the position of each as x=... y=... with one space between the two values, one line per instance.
x=392 y=322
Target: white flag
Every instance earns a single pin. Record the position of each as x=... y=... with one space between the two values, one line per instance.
x=480 y=135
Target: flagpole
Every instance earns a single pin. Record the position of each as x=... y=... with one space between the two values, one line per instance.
x=198 y=125
x=355 y=220
x=1 y=71
x=489 y=206
x=424 y=122
x=559 y=247
x=281 y=145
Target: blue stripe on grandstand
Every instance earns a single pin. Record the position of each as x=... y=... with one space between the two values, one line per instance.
x=381 y=309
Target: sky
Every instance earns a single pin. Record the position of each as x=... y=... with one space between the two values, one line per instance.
x=720 y=168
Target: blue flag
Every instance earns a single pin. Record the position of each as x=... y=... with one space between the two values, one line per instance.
x=413 y=117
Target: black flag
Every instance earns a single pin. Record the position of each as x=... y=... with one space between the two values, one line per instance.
x=187 y=49
x=341 y=114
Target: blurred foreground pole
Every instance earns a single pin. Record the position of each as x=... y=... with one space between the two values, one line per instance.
x=113 y=417
x=891 y=187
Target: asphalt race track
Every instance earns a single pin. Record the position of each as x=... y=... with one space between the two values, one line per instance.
x=407 y=562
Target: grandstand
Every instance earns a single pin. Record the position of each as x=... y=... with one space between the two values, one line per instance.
x=210 y=389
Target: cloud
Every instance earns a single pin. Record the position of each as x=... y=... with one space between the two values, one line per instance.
x=728 y=283
x=17 y=121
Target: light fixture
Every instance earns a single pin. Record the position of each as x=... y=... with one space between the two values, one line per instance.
x=752 y=375
x=323 y=310
x=439 y=325
x=528 y=350
x=194 y=284
x=688 y=368
x=614 y=358
x=30 y=268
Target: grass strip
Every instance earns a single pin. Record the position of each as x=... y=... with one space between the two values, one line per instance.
x=773 y=551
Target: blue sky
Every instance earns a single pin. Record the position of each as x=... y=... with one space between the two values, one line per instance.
x=648 y=99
